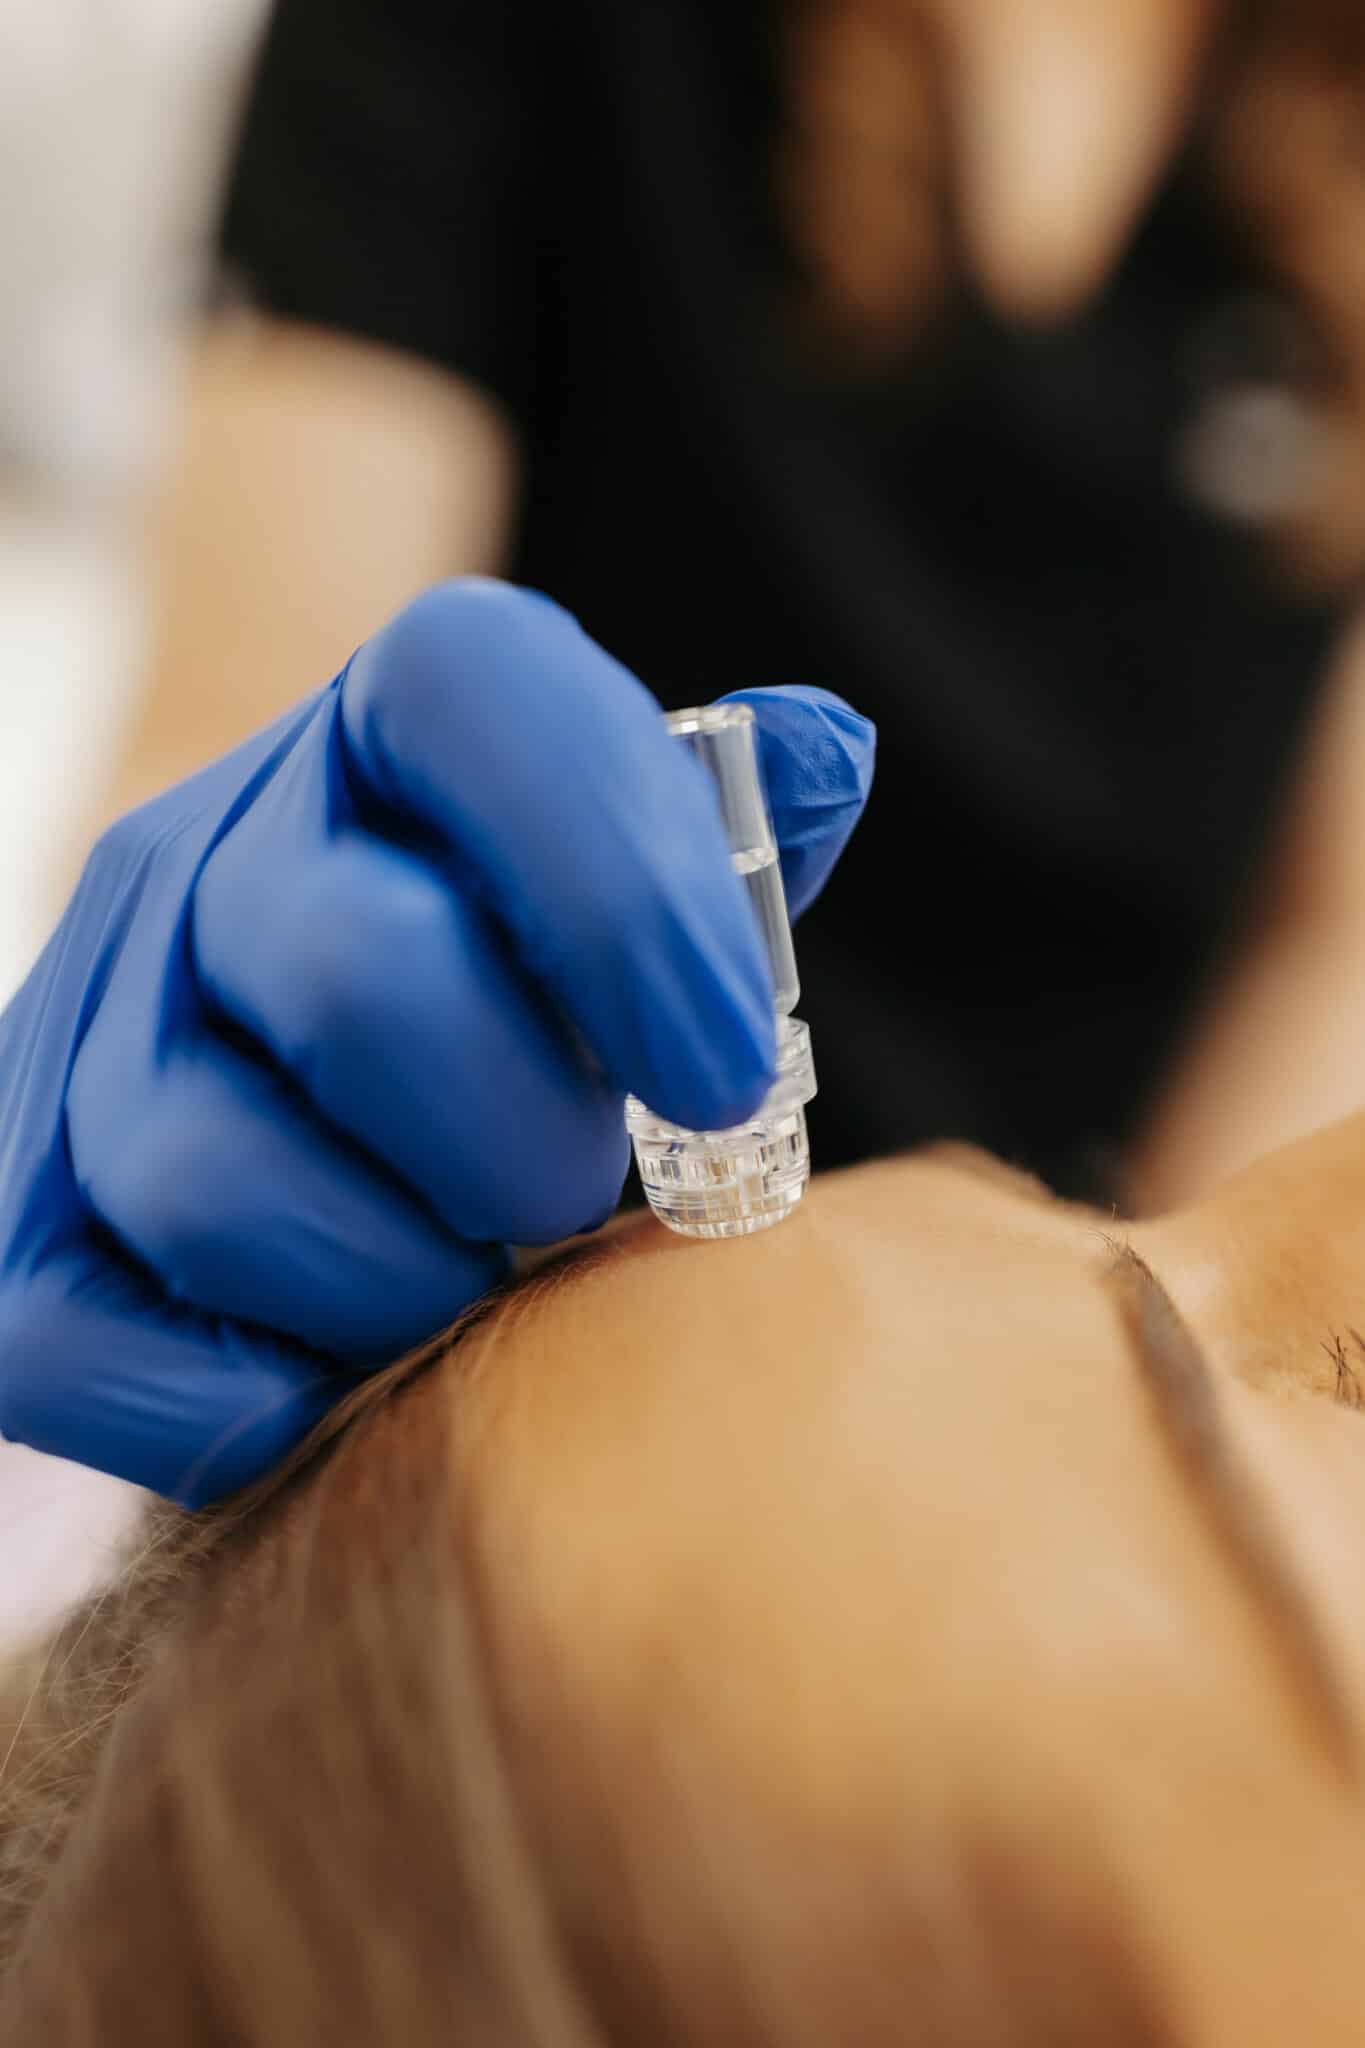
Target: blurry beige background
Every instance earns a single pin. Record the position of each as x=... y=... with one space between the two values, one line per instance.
x=114 y=119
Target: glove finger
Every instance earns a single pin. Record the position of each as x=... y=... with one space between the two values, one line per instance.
x=543 y=770
x=213 y=1173
x=397 y=1007
x=99 y=1368
x=817 y=754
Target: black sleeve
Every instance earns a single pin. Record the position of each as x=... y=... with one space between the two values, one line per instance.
x=386 y=179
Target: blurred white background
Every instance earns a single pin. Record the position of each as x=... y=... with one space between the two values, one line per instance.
x=115 y=116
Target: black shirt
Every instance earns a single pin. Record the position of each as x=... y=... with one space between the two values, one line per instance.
x=1090 y=693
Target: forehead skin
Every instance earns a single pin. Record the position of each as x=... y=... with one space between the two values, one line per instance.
x=875 y=1500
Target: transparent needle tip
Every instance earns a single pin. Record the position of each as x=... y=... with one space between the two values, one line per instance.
x=729 y=1183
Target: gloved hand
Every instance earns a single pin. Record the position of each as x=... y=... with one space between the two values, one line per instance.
x=327 y=1027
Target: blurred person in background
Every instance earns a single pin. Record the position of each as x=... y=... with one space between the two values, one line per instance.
x=997 y=364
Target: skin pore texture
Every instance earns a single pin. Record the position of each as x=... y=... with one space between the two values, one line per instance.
x=937 y=1620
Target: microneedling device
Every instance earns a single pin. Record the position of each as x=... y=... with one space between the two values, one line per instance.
x=730 y=1183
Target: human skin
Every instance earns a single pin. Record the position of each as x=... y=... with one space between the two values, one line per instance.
x=878 y=1509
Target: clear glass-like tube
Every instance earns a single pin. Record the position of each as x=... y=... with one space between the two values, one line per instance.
x=729 y=1183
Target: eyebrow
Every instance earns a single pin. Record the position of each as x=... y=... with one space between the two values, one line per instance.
x=1184 y=1398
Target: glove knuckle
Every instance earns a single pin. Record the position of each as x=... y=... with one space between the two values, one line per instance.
x=461 y=612
x=150 y=1193
x=138 y=836
x=124 y=838
x=351 y=951
x=321 y=997
x=123 y=849
x=407 y=671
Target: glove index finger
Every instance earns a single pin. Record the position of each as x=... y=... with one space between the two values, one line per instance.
x=818 y=755
x=544 y=771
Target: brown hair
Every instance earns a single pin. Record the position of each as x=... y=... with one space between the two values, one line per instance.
x=863 y=175
x=263 y=1792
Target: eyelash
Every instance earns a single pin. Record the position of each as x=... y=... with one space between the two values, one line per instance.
x=1348 y=1389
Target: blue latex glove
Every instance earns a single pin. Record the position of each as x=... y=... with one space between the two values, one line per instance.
x=328 y=1026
